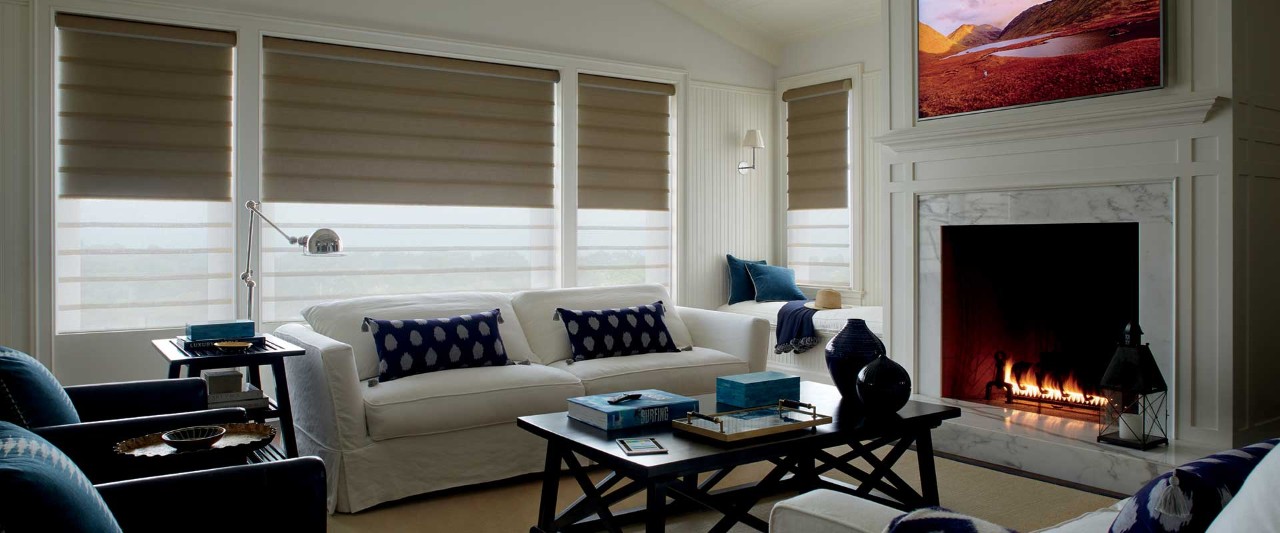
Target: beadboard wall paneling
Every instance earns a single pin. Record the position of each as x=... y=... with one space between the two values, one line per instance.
x=15 y=182
x=725 y=212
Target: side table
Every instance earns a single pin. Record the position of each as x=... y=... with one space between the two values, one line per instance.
x=272 y=353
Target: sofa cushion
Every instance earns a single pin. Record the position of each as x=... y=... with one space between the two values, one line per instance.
x=1190 y=497
x=341 y=320
x=934 y=519
x=30 y=396
x=537 y=311
x=451 y=400
x=410 y=347
x=688 y=373
x=616 y=332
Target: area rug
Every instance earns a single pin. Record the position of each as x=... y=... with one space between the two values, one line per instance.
x=1013 y=501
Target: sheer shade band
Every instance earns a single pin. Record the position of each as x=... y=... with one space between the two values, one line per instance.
x=624 y=142
x=144 y=110
x=818 y=145
x=345 y=124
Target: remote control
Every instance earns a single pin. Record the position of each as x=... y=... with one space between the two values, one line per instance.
x=621 y=398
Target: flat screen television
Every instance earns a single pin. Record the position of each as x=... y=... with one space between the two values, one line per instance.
x=980 y=55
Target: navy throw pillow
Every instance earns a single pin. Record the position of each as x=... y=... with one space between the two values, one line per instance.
x=43 y=490
x=935 y=519
x=774 y=284
x=29 y=394
x=741 y=289
x=1190 y=497
x=615 y=332
x=411 y=347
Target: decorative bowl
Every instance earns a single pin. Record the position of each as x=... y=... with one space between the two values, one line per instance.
x=193 y=438
x=232 y=346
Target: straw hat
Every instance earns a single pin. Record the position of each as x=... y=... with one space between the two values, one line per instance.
x=827 y=299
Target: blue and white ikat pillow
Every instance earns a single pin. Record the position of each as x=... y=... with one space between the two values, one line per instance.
x=936 y=519
x=617 y=332
x=417 y=346
x=1190 y=497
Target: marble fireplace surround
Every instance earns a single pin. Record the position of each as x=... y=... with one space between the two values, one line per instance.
x=1044 y=444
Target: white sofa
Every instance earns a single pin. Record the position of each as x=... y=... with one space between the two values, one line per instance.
x=453 y=428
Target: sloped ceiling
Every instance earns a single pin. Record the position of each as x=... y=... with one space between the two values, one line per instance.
x=764 y=27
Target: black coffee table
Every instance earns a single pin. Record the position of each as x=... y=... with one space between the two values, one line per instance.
x=799 y=461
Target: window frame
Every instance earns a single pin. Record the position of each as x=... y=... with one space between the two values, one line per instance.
x=130 y=345
x=852 y=291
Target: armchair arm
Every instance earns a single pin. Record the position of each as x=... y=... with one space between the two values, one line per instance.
x=826 y=510
x=91 y=445
x=325 y=389
x=745 y=337
x=138 y=398
x=279 y=496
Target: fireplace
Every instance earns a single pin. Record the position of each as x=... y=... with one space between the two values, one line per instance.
x=1031 y=313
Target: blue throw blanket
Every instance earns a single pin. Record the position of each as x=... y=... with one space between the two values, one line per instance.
x=795 y=328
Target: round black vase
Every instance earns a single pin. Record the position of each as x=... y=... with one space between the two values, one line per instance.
x=883 y=386
x=850 y=350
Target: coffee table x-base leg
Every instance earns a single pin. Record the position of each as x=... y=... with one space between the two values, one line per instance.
x=673 y=494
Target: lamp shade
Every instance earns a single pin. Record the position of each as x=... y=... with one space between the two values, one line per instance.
x=752 y=139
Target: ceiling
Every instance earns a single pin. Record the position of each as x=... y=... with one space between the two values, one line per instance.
x=765 y=26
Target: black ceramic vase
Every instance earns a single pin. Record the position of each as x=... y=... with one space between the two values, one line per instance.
x=883 y=386
x=853 y=348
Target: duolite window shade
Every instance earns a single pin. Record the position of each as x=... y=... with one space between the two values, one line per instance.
x=623 y=143
x=818 y=145
x=144 y=110
x=353 y=125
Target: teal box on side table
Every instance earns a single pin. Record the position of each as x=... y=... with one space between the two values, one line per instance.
x=222 y=330
x=757 y=389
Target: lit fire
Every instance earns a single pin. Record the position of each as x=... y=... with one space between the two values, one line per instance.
x=1069 y=391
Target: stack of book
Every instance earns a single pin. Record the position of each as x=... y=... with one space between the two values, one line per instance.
x=227 y=389
x=203 y=336
x=640 y=408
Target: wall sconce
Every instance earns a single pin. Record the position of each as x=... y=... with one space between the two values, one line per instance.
x=754 y=141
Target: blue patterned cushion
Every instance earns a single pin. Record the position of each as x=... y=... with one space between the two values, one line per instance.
x=1190 y=497
x=29 y=394
x=936 y=519
x=42 y=490
x=410 y=347
x=740 y=287
x=614 y=332
x=774 y=284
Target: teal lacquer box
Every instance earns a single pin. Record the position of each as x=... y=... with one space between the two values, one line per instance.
x=757 y=389
x=221 y=330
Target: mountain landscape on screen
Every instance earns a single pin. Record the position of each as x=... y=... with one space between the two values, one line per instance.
x=976 y=55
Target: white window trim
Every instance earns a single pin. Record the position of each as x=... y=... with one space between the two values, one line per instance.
x=854 y=291
x=251 y=28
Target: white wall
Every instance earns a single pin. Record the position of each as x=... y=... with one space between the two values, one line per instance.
x=732 y=211
x=631 y=34
x=860 y=42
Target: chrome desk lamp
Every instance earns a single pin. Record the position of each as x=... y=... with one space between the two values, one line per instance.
x=323 y=241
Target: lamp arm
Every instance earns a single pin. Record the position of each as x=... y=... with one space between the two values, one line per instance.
x=253 y=206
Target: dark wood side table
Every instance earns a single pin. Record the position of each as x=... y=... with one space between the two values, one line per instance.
x=272 y=354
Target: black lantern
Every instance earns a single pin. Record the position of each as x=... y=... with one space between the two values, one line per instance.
x=1135 y=392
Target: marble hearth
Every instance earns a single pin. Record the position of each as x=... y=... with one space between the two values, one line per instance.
x=1044 y=444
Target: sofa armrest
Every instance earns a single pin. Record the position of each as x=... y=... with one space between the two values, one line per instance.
x=106 y=401
x=280 y=496
x=324 y=388
x=742 y=336
x=826 y=511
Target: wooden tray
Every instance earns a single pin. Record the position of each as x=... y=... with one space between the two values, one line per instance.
x=241 y=439
x=732 y=426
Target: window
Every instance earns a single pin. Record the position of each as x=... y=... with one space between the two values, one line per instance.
x=624 y=217
x=437 y=172
x=818 y=217
x=143 y=218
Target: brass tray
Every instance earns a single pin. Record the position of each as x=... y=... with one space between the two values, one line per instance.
x=732 y=426
x=240 y=439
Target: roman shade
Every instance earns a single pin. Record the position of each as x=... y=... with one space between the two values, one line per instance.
x=818 y=145
x=144 y=110
x=345 y=124
x=624 y=140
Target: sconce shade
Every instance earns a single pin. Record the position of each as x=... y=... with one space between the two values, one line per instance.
x=752 y=139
